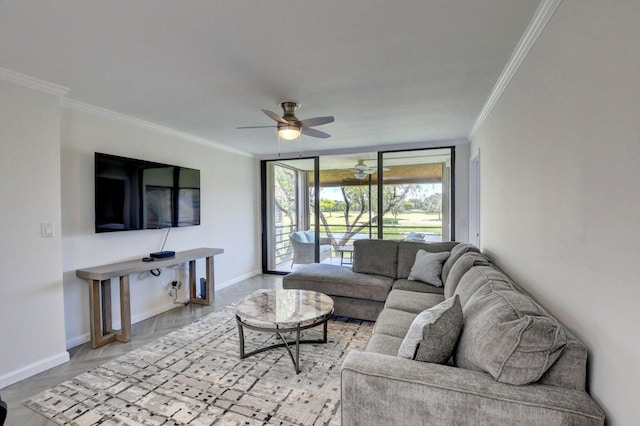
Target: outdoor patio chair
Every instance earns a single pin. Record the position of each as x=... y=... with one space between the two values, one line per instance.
x=303 y=247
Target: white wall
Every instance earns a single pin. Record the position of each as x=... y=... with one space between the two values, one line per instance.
x=229 y=214
x=462 y=192
x=559 y=199
x=31 y=302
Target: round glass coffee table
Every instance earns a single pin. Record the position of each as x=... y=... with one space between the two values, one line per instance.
x=283 y=311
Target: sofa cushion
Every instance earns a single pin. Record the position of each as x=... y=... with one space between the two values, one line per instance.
x=428 y=267
x=334 y=280
x=393 y=323
x=410 y=301
x=384 y=344
x=461 y=267
x=475 y=278
x=417 y=286
x=378 y=257
x=433 y=334
x=407 y=253
x=356 y=308
x=508 y=335
x=456 y=252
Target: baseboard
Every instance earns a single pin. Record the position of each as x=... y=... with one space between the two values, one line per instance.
x=237 y=280
x=33 y=369
x=78 y=340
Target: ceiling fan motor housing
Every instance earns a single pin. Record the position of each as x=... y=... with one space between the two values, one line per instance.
x=288 y=108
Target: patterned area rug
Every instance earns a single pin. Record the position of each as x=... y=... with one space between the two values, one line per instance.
x=194 y=376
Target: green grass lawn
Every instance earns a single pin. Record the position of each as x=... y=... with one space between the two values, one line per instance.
x=417 y=221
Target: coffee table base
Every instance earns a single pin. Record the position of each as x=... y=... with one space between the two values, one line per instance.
x=285 y=343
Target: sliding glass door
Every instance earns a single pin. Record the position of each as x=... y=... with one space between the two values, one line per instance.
x=289 y=214
x=417 y=200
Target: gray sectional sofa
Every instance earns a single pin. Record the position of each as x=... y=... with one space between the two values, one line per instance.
x=512 y=363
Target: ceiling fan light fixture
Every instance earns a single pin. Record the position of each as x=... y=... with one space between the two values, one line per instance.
x=288 y=132
x=361 y=175
x=361 y=165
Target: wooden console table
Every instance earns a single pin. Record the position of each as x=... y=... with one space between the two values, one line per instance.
x=100 y=290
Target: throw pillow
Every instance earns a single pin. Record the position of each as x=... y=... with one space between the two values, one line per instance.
x=428 y=267
x=311 y=236
x=433 y=334
x=508 y=335
x=299 y=236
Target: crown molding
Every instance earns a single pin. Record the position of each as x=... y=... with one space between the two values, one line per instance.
x=545 y=11
x=61 y=92
x=106 y=113
x=33 y=83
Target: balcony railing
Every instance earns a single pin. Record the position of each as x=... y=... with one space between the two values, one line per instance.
x=390 y=232
x=284 y=250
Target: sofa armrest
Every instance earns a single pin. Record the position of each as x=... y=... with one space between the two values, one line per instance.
x=381 y=389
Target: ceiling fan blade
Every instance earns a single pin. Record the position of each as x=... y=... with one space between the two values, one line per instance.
x=315 y=133
x=275 y=116
x=255 y=127
x=317 y=121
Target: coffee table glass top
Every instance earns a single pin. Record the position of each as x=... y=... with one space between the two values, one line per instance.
x=283 y=308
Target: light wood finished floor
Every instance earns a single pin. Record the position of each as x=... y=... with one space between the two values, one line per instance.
x=83 y=358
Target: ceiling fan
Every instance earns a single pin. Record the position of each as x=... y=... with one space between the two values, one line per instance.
x=362 y=170
x=290 y=127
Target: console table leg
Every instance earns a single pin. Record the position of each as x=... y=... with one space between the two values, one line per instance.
x=105 y=290
x=125 y=310
x=94 y=312
x=192 y=280
x=99 y=308
x=211 y=288
x=209 y=291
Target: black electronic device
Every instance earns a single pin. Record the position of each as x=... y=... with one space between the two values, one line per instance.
x=162 y=254
x=135 y=194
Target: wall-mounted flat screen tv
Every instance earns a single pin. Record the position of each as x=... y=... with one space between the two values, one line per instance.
x=136 y=194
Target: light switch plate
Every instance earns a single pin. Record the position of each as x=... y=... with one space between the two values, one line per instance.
x=48 y=229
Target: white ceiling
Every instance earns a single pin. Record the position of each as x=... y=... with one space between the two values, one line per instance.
x=391 y=72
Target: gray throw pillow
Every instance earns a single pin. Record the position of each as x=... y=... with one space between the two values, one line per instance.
x=508 y=335
x=428 y=267
x=433 y=334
